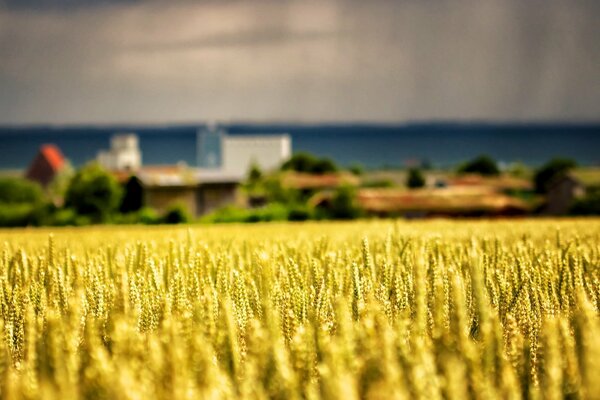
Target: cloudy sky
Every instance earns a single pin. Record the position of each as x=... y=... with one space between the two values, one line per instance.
x=84 y=61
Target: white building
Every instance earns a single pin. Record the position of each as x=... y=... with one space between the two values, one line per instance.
x=267 y=151
x=124 y=153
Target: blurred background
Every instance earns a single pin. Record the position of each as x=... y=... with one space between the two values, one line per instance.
x=229 y=105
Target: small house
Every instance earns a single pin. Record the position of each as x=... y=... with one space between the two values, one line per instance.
x=46 y=165
x=562 y=193
x=198 y=191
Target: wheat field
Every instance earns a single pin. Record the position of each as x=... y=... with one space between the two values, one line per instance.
x=370 y=309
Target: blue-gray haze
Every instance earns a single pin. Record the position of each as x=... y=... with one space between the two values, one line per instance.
x=443 y=145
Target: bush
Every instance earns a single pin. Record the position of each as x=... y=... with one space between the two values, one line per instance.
x=176 y=214
x=379 y=183
x=19 y=190
x=588 y=205
x=69 y=217
x=357 y=169
x=305 y=162
x=148 y=216
x=483 y=165
x=344 y=204
x=300 y=213
x=13 y=214
x=415 y=178
x=323 y=166
x=93 y=192
x=227 y=214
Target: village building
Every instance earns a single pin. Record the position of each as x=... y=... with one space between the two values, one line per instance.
x=562 y=193
x=266 y=151
x=48 y=162
x=124 y=153
x=223 y=162
x=199 y=191
x=235 y=154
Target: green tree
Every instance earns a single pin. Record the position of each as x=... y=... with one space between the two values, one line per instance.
x=22 y=202
x=483 y=165
x=19 y=190
x=306 y=162
x=133 y=197
x=344 y=204
x=550 y=171
x=300 y=162
x=93 y=192
x=255 y=174
x=323 y=166
x=588 y=205
x=176 y=214
x=415 y=178
x=357 y=169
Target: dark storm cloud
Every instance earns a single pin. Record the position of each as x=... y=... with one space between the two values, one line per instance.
x=302 y=60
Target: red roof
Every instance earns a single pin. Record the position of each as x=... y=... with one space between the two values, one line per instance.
x=53 y=155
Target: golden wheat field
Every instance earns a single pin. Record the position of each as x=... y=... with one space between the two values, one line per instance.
x=372 y=309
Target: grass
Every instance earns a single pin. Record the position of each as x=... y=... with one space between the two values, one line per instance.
x=370 y=309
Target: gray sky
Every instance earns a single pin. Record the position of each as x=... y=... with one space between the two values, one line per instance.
x=83 y=61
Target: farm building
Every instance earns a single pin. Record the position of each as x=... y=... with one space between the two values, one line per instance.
x=198 y=191
x=562 y=193
x=234 y=154
x=124 y=153
x=46 y=165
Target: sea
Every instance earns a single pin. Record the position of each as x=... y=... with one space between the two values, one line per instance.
x=371 y=145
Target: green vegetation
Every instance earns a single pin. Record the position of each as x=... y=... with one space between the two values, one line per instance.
x=483 y=165
x=589 y=204
x=415 y=178
x=21 y=202
x=385 y=310
x=133 y=196
x=344 y=204
x=305 y=162
x=94 y=192
x=18 y=190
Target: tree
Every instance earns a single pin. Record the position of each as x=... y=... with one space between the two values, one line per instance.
x=415 y=178
x=19 y=190
x=21 y=202
x=550 y=171
x=588 y=205
x=307 y=163
x=255 y=174
x=176 y=214
x=323 y=166
x=357 y=169
x=93 y=192
x=300 y=162
x=344 y=204
x=483 y=165
x=133 y=198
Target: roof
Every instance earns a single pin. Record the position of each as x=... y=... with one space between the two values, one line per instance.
x=439 y=200
x=298 y=180
x=500 y=182
x=53 y=156
x=178 y=176
x=458 y=200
